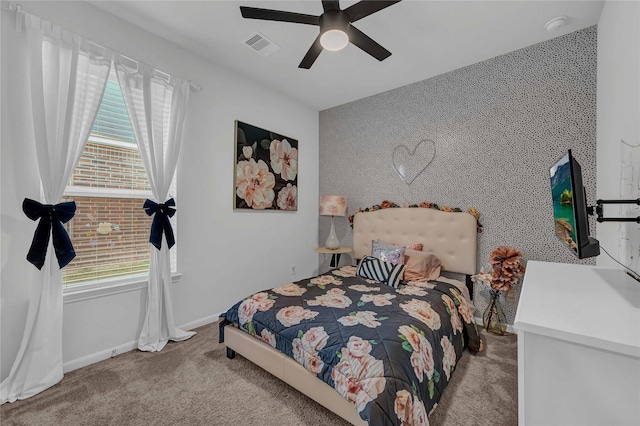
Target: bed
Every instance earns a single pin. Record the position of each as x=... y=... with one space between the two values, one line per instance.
x=371 y=353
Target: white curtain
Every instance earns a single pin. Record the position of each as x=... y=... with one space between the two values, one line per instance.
x=156 y=103
x=67 y=79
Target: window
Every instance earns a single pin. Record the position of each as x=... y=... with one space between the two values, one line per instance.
x=110 y=231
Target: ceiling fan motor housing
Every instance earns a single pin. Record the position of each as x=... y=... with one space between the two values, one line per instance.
x=334 y=20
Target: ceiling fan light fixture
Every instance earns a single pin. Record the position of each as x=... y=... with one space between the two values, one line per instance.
x=334 y=40
x=336 y=30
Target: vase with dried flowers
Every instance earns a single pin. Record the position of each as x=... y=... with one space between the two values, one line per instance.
x=506 y=270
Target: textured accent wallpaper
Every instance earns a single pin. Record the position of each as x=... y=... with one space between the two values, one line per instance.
x=498 y=126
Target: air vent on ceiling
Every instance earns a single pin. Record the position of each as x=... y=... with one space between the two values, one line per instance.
x=261 y=44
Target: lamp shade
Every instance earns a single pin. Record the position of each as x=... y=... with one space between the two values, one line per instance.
x=333 y=205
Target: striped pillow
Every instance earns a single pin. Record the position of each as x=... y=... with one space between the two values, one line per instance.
x=379 y=270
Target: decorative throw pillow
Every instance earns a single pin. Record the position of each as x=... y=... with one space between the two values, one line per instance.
x=420 y=265
x=388 y=252
x=379 y=270
x=416 y=246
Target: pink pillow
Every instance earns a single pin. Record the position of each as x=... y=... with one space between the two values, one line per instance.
x=417 y=247
x=421 y=265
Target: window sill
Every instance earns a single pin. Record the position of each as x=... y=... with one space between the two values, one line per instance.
x=123 y=286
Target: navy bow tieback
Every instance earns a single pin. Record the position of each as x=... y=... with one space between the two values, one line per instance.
x=161 y=222
x=51 y=219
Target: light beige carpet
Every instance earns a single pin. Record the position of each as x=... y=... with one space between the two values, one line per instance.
x=193 y=383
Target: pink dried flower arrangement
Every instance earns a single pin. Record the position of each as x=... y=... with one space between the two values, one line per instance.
x=507 y=266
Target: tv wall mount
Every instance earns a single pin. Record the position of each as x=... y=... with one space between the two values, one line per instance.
x=599 y=211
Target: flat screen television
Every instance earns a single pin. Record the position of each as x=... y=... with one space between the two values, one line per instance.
x=570 y=210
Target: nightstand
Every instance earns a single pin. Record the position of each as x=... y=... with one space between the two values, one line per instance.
x=335 y=254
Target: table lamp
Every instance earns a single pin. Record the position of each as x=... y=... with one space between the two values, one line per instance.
x=333 y=205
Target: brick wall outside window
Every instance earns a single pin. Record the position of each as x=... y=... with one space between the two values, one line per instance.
x=107 y=166
x=121 y=252
x=120 y=246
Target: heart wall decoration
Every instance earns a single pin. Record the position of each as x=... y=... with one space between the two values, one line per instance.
x=409 y=165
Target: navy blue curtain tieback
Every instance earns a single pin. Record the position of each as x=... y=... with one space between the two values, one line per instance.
x=161 y=222
x=51 y=219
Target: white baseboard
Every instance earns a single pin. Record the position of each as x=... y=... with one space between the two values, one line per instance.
x=200 y=322
x=74 y=364
x=510 y=328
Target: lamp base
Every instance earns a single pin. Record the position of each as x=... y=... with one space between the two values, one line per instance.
x=332 y=241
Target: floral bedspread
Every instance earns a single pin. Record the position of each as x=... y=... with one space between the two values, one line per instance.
x=390 y=351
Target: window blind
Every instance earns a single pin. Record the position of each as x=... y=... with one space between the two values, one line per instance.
x=112 y=121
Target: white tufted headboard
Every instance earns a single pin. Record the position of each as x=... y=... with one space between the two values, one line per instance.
x=450 y=236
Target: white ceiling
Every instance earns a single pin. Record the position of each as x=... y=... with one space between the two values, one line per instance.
x=426 y=38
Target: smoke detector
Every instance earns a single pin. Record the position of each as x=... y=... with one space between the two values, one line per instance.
x=555 y=23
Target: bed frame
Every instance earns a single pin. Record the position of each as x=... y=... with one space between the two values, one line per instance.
x=450 y=236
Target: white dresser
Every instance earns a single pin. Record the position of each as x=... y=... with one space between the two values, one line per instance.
x=578 y=346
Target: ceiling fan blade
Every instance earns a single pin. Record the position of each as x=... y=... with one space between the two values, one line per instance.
x=312 y=54
x=331 y=5
x=367 y=44
x=365 y=8
x=278 y=15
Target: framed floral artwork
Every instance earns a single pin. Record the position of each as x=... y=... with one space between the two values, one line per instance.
x=266 y=169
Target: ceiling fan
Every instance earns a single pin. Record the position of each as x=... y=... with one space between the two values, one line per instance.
x=336 y=29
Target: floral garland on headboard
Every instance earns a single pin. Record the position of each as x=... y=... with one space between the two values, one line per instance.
x=389 y=204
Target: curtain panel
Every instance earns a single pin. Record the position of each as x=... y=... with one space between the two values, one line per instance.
x=68 y=75
x=156 y=103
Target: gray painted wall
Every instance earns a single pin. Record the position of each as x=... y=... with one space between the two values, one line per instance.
x=498 y=126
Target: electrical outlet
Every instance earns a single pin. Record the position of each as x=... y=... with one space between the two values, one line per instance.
x=293 y=270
